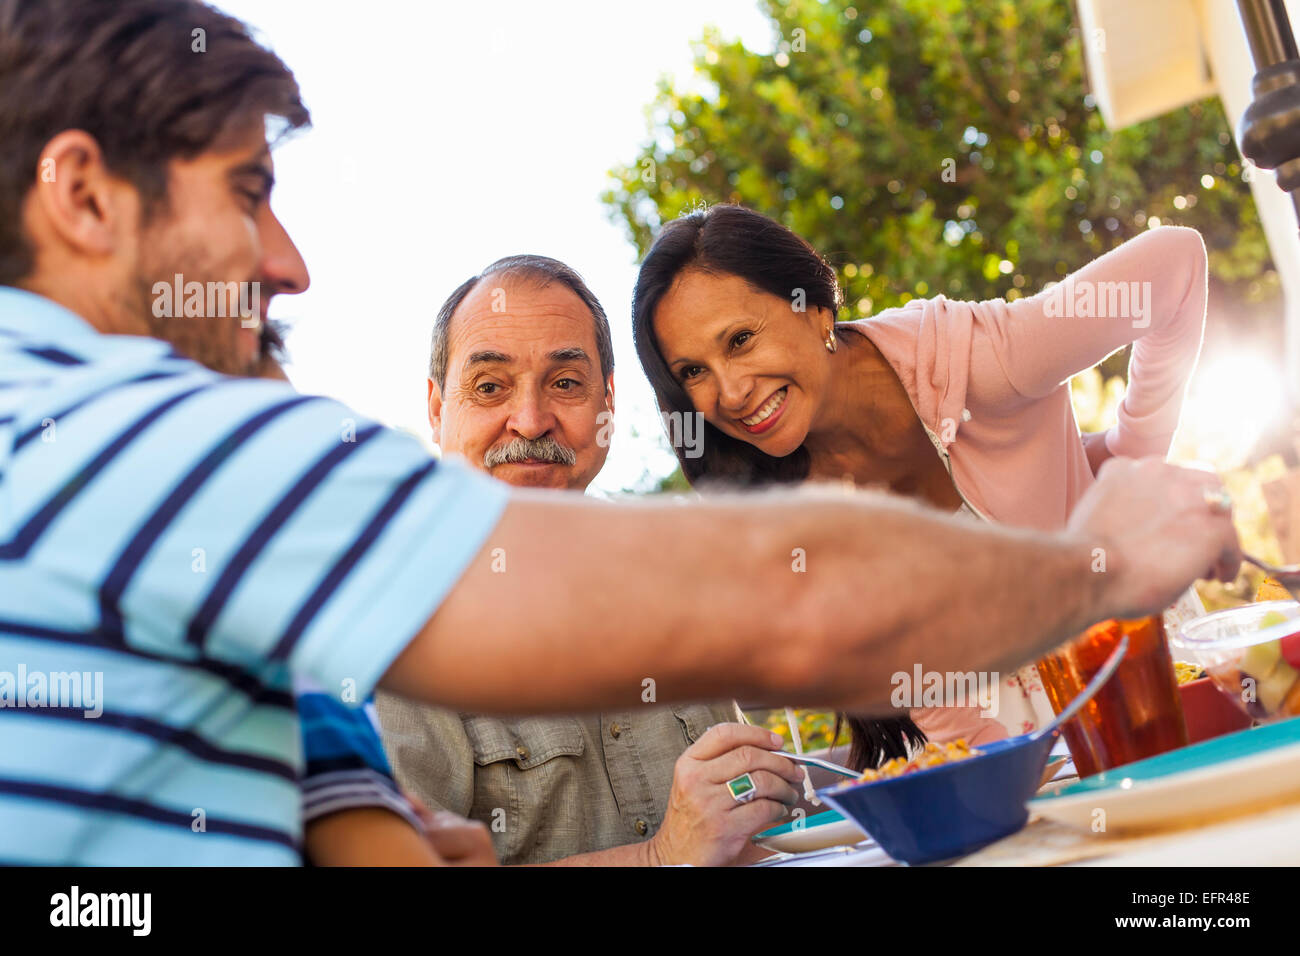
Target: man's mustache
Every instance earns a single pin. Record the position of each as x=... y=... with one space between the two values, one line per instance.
x=272 y=339
x=517 y=450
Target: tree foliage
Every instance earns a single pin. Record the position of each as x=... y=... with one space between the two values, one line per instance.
x=936 y=146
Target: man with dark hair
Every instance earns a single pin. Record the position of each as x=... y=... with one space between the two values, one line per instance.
x=137 y=101
x=198 y=538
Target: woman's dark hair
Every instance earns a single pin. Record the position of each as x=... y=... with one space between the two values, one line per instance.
x=727 y=240
x=874 y=740
x=735 y=241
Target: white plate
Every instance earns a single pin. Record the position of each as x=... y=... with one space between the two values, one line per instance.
x=811 y=836
x=1214 y=779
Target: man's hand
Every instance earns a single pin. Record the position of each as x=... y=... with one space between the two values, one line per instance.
x=704 y=825
x=1152 y=532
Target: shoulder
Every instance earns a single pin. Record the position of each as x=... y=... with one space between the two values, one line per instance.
x=399 y=715
x=911 y=320
x=137 y=380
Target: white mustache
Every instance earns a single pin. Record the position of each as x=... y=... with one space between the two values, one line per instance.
x=545 y=449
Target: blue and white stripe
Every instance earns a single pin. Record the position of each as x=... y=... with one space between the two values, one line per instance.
x=198 y=540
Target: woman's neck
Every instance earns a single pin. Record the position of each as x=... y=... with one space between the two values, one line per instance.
x=866 y=426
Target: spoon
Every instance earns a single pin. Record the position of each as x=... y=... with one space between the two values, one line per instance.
x=1094 y=685
x=1287 y=575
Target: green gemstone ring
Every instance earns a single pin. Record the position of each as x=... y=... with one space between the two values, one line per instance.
x=742 y=788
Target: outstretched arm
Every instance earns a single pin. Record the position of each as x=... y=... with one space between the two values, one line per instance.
x=705 y=601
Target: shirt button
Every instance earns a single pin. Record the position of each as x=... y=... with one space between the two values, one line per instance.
x=641 y=827
x=522 y=752
x=615 y=730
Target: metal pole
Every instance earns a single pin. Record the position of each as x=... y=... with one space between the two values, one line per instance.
x=1270 y=128
x=1269 y=134
x=1268 y=31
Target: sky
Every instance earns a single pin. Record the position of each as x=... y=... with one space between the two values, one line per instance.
x=447 y=135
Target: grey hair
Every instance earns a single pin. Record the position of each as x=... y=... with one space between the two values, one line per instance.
x=541 y=269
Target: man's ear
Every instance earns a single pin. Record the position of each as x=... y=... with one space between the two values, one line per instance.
x=435 y=411
x=76 y=201
x=609 y=393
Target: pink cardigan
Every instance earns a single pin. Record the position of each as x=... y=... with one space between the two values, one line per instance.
x=991 y=380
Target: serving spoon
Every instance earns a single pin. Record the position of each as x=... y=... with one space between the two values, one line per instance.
x=1072 y=708
x=1287 y=575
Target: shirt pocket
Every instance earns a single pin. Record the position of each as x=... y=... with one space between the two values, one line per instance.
x=529 y=741
x=524 y=789
x=695 y=719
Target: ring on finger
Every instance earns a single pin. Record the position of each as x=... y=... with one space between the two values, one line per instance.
x=742 y=788
x=1219 y=500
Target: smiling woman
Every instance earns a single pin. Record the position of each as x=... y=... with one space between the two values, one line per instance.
x=724 y=299
x=743 y=265
x=963 y=405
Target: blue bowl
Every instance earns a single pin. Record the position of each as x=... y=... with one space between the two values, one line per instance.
x=948 y=811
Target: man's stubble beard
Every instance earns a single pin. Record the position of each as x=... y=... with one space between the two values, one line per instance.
x=209 y=340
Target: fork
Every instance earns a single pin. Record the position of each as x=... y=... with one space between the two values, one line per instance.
x=819 y=762
x=1288 y=575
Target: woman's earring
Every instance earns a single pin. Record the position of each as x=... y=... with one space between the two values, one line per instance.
x=830 y=341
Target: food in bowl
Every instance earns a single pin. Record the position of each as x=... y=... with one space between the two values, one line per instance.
x=932 y=755
x=1252 y=653
x=1275 y=667
x=952 y=807
x=1187 y=672
x=1271 y=589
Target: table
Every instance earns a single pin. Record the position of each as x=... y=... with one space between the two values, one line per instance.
x=1268 y=837
x=1271 y=838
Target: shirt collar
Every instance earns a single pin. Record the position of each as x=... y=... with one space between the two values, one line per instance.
x=37 y=317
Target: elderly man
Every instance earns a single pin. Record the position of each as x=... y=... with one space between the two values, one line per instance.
x=201 y=537
x=521 y=384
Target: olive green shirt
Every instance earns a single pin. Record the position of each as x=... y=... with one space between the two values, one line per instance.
x=547 y=787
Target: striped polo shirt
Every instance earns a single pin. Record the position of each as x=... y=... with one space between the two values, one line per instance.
x=346 y=766
x=175 y=547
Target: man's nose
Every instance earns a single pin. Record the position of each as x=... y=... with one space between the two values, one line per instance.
x=283 y=267
x=531 y=415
